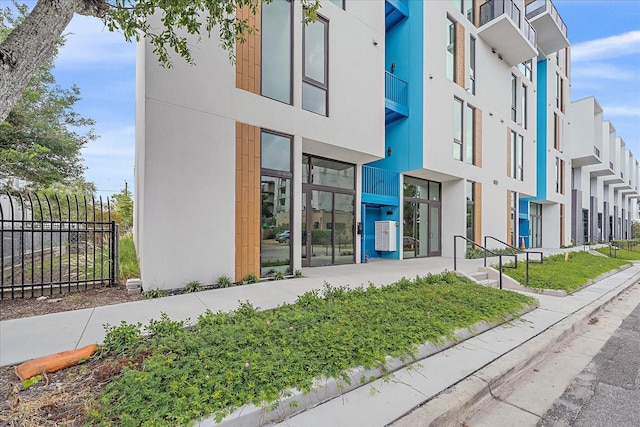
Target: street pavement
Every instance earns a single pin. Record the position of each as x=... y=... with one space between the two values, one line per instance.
x=607 y=391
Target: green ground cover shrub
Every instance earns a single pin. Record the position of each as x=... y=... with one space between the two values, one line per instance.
x=226 y=360
x=570 y=275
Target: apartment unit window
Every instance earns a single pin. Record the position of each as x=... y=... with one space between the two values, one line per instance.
x=315 y=69
x=557 y=90
x=470 y=210
x=562 y=103
x=451 y=50
x=464 y=138
x=457 y=129
x=469 y=140
x=276 y=39
x=275 y=202
x=559 y=172
x=472 y=65
x=517 y=156
x=524 y=106
x=556 y=131
x=339 y=3
x=526 y=69
x=514 y=97
x=465 y=7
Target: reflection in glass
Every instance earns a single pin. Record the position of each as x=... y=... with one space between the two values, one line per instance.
x=321 y=225
x=275 y=242
x=331 y=173
x=276 y=152
x=314 y=51
x=314 y=99
x=344 y=219
x=276 y=40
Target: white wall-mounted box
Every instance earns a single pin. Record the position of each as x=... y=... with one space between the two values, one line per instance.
x=386 y=236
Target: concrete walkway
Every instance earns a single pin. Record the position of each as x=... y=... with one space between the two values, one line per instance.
x=379 y=403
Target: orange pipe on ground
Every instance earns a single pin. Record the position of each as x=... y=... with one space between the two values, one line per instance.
x=54 y=362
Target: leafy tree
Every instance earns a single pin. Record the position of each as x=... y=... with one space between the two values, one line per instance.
x=635 y=229
x=34 y=40
x=122 y=208
x=41 y=138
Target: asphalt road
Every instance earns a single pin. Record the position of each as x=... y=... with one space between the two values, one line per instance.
x=607 y=391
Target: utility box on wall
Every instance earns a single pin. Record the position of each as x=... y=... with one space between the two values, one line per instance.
x=386 y=236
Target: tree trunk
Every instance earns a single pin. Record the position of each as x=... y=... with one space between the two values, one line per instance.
x=33 y=41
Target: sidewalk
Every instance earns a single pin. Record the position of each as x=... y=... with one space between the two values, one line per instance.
x=378 y=403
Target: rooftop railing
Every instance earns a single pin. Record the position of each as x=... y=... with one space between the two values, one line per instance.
x=538 y=7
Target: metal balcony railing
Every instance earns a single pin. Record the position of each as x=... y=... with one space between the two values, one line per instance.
x=537 y=7
x=396 y=90
x=495 y=8
x=380 y=182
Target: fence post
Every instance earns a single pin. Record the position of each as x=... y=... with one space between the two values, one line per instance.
x=115 y=245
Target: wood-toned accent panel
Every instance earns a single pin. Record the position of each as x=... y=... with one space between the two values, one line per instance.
x=460 y=59
x=477 y=210
x=248 y=54
x=556 y=131
x=247 y=222
x=476 y=12
x=477 y=137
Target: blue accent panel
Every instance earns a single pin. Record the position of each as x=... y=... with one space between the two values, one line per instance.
x=523 y=221
x=541 y=136
x=404 y=46
x=370 y=215
x=377 y=199
x=395 y=11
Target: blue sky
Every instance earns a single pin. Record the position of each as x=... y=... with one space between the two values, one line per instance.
x=605 y=38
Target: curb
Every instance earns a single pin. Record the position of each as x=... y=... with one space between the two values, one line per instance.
x=449 y=406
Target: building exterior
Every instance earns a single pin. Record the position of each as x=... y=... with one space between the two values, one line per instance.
x=382 y=130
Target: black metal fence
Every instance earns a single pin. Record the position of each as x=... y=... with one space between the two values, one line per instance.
x=51 y=245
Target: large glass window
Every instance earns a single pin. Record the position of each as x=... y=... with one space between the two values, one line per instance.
x=469 y=143
x=339 y=3
x=524 y=106
x=457 y=129
x=275 y=204
x=557 y=90
x=276 y=47
x=514 y=98
x=514 y=154
x=470 y=210
x=520 y=170
x=315 y=68
x=329 y=173
x=513 y=224
x=526 y=69
x=472 y=65
x=451 y=50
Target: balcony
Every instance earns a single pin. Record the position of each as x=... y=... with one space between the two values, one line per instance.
x=395 y=11
x=551 y=29
x=396 y=98
x=380 y=186
x=504 y=28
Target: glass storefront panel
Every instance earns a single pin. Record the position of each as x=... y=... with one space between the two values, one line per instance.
x=321 y=224
x=409 y=243
x=343 y=233
x=275 y=242
x=329 y=173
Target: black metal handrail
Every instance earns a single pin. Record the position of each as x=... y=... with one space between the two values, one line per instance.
x=526 y=256
x=484 y=249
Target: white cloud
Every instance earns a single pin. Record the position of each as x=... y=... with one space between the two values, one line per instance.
x=608 y=47
x=597 y=70
x=621 y=110
x=90 y=43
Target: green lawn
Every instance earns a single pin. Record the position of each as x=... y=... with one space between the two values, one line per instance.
x=227 y=360
x=631 y=255
x=570 y=275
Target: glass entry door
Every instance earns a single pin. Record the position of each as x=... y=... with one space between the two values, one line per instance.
x=421 y=229
x=536 y=225
x=328 y=233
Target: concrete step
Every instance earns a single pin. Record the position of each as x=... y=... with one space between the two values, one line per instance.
x=491 y=283
x=479 y=276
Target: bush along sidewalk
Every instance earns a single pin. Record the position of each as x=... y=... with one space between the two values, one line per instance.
x=172 y=375
x=567 y=272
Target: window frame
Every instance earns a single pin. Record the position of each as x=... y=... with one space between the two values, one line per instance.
x=309 y=80
x=514 y=98
x=472 y=64
x=451 y=37
x=459 y=127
